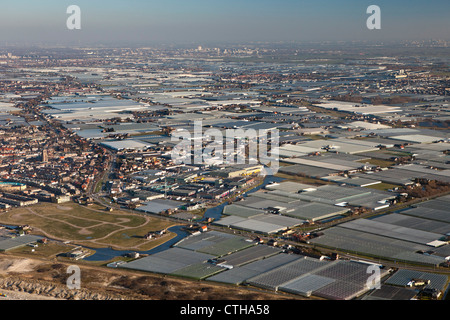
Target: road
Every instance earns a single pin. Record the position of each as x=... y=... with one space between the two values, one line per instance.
x=102 y=176
x=282 y=241
x=99 y=197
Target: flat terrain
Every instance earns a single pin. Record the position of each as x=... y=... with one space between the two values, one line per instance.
x=89 y=226
x=38 y=273
x=25 y=278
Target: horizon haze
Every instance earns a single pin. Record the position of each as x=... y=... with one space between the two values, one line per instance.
x=138 y=22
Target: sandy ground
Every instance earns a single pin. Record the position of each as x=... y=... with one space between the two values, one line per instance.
x=22 y=278
x=14 y=295
x=17 y=265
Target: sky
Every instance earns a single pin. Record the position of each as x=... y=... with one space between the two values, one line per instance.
x=212 y=21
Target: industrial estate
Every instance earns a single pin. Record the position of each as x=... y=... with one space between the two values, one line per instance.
x=91 y=172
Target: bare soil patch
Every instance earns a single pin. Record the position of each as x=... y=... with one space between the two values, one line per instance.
x=64 y=208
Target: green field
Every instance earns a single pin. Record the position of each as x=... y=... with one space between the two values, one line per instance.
x=48 y=250
x=89 y=226
x=383 y=186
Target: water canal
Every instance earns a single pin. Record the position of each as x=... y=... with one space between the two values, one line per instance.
x=106 y=254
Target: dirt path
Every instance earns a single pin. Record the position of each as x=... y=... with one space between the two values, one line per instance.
x=85 y=230
x=25 y=278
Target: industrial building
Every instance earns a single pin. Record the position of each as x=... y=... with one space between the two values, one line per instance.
x=404 y=278
x=128 y=144
x=238 y=171
x=160 y=205
x=386 y=240
x=336 y=280
x=262 y=223
x=17 y=242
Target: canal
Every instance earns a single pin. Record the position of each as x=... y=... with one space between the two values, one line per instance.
x=106 y=254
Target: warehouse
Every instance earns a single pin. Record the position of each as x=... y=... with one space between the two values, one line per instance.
x=160 y=205
x=130 y=128
x=402 y=220
x=376 y=201
x=359 y=109
x=387 y=292
x=249 y=255
x=440 y=203
x=91 y=108
x=393 y=231
x=288 y=186
x=279 y=199
x=350 y=280
x=390 y=132
x=198 y=271
x=417 y=138
x=307 y=171
x=341 y=145
x=355 y=181
x=339 y=196
x=393 y=176
x=365 y=125
x=120 y=145
x=17 y=242
x=336 y=280
x=277 y=277
x=306 y=285
x=420 y=171
x=168 y=261
x=315 y=211
x=428 y=213
x=301 y=148
x=241 y=211
x=263 y=223
x=403 y=277
x=284 y=153
x=359 y=242
x=437 y=147
x=240 y=274
x=258 y=201
x=215 y=243
x=326 y=165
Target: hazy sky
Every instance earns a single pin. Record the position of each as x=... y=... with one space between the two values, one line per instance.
x=203 y=21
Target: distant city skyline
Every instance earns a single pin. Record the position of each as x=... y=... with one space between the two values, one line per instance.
x=143 y=22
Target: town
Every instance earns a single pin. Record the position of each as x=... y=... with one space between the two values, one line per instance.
x=355 y=171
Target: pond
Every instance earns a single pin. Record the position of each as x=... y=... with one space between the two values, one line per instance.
x=105 y=254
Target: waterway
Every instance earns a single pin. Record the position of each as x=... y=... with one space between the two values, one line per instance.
x=105 y=254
